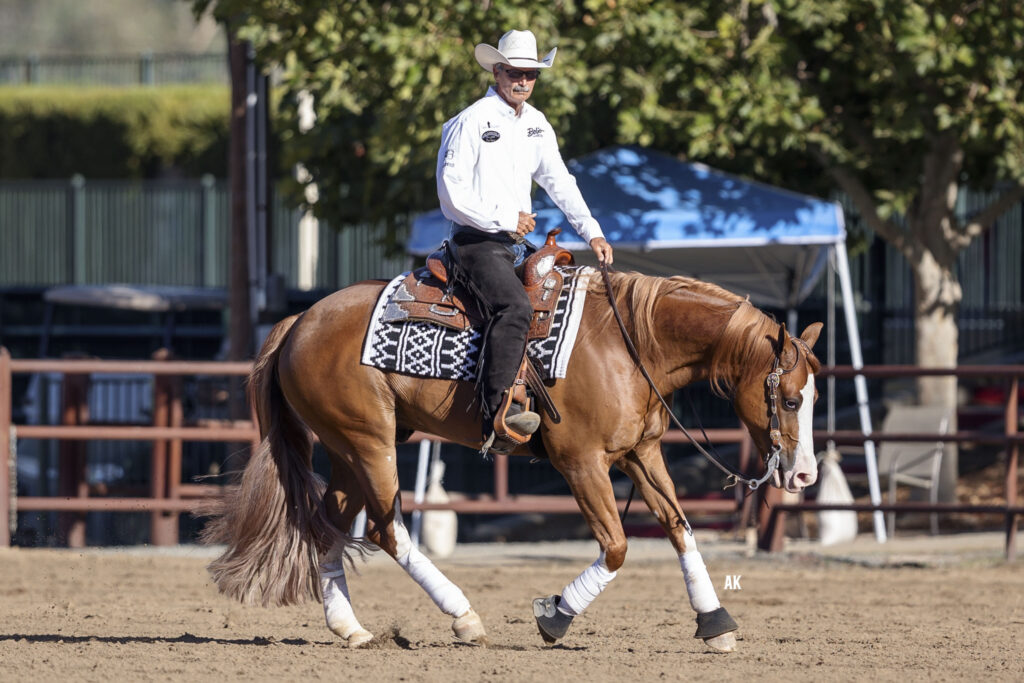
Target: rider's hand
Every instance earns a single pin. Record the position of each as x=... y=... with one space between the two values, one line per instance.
x=526 y=224
x=602 y=250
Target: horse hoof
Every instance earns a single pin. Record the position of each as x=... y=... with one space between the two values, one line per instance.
x=551 y=623
x=469 y=629
x=723 y=643
x=359 y=638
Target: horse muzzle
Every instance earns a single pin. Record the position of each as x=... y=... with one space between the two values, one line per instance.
x=802 y=473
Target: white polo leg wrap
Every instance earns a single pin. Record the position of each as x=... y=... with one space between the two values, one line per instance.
x=445 y=594
x=337 y=606
x=578 y=595
x=698 y=583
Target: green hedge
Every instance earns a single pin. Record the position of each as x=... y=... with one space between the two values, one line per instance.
x=103 y=132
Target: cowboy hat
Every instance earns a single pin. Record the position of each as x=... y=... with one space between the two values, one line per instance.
x=517 y=49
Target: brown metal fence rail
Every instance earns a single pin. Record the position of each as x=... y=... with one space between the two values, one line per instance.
x=771 y=527
x=169 y=496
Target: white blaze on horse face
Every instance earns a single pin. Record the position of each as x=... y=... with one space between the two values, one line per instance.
x=805 y=467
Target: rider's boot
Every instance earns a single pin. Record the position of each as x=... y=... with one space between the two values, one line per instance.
x=514 y=423
x=521 y=420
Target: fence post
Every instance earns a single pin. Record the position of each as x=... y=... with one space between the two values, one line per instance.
x=71 y=480
x=32 y=69
x=746 y=503
x=146 y=68
x=772 y=524
x=174 y=456
x=7 y=520
x=501 y=477
x=77 y=241
x=162 y=526
x=208 y=223
x=1012 y=453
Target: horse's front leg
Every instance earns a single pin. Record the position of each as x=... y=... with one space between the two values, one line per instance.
x=593 y=492
x=646 y=467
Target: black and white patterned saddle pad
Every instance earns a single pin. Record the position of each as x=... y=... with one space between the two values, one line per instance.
x=427 y=350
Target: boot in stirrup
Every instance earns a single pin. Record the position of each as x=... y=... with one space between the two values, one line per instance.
x=523 y=421
x=516 y=429
x=514 y=423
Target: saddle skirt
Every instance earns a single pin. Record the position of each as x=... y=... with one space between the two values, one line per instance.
x=433 y=347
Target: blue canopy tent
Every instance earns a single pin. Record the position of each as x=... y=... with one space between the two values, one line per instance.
x=668 y=217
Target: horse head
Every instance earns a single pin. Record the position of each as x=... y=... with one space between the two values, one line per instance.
x=776 y=403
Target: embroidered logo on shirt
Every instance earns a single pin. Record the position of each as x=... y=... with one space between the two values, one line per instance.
x=534 y=132
x=449 y=157
x=490 y=136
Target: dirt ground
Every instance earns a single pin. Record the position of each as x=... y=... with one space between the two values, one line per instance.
x=150 y=615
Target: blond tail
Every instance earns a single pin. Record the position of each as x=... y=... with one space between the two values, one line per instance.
x=273 y=522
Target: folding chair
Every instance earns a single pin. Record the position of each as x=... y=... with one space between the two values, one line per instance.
x=915 y=463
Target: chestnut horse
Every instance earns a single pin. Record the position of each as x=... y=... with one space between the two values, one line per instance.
x=285 y=532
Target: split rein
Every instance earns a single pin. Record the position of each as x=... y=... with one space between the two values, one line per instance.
x=772 y=382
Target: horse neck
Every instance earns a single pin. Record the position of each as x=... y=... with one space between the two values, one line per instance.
x=689 y=326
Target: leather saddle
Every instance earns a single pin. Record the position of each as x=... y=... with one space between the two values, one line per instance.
x=430 y=295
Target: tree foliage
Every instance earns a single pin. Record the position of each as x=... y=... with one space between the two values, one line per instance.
x=898 y=101
x=386 y=75
x=877 y=93
x=112 y=132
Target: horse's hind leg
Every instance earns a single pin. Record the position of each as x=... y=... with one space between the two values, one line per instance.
x=646 y=467
x=379 y=471
x=342 y=501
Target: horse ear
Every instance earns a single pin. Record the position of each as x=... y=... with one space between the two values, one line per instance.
x=780 y=344
x=810 y=334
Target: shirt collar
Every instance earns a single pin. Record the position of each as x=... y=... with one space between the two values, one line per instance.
x=504 y=106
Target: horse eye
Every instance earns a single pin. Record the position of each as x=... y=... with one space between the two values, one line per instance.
x=791 y=404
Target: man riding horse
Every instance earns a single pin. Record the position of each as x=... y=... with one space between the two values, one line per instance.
x=490 y=154
x=286 y=533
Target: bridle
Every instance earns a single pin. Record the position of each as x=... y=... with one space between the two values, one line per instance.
x=772 y=382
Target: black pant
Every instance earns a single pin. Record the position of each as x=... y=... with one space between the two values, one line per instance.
x=488 y=262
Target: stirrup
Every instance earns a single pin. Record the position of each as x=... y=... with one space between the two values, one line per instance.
x=514 y=421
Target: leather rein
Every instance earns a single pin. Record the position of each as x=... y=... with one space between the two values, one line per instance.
x=771 y=383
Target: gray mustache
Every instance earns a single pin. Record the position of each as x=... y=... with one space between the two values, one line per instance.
x=520 y=88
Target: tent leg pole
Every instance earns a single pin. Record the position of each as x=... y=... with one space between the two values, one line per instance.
x=860 y=384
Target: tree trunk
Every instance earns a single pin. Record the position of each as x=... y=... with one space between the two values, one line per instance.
x=239 y=320
x=240 y=325
x=937 y=296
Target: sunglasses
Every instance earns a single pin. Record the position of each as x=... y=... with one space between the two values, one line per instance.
x=518 y=74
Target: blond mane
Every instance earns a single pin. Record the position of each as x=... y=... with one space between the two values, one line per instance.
x=744 y=342
x=637 y=295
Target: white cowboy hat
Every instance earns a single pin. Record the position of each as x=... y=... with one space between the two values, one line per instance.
x=517 y=49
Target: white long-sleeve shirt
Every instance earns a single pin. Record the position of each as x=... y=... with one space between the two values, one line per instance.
x=489 y=158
